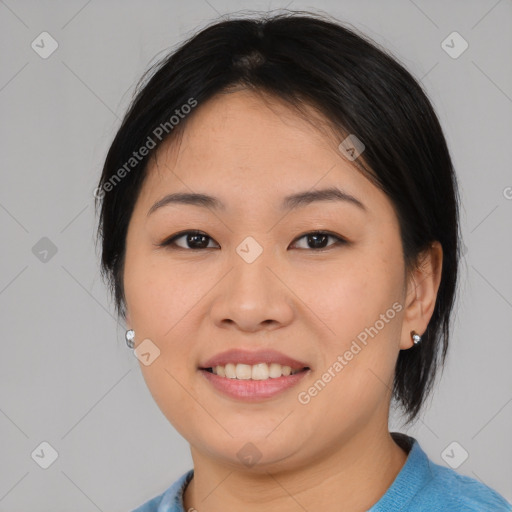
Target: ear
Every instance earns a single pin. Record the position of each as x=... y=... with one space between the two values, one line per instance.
x=422 y=286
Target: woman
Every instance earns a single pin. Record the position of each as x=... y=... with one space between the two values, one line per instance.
x=279 y=220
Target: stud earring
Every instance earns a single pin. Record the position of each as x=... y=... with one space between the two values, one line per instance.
x=130 y=337
x=416 y=338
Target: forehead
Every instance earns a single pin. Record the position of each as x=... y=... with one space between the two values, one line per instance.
x=243 y=147
x=246 y=128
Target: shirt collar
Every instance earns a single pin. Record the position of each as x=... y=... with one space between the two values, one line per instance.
x=413 y=476
x=172 y=500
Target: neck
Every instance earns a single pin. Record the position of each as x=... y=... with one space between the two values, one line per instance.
x=355 y=473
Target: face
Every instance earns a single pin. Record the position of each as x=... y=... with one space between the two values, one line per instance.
x=259 y=278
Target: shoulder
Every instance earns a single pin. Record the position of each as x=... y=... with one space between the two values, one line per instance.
x=150 y=505
x=171 y=500
x=424 y=486
x=441 y=488
x=461 y=492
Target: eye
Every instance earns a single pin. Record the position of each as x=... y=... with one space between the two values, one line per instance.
x=197 y=240
x=192 y=240
x=319 y=238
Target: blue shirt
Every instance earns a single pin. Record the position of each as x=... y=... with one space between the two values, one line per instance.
x=420 y=486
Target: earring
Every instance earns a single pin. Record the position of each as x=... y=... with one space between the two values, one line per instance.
x=130 y=337
x=416 y=338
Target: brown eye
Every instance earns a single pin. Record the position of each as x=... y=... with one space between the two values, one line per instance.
x=193 y=240
x=197 y=240
x=317 y=240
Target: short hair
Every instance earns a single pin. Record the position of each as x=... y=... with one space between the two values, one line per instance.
x=305 y=59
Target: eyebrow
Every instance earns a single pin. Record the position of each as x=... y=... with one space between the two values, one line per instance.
x=290 y=202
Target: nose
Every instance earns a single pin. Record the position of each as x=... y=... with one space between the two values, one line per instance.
x=252 y=297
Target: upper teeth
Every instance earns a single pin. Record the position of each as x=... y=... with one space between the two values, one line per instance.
x=260 y=371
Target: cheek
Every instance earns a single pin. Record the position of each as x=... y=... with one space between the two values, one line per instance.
x=156 y=295
x=158 y=299
x=346 y=297
x=164 y=299
x=362 y=305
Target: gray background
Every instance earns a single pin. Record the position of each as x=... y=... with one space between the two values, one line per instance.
x=66 y=376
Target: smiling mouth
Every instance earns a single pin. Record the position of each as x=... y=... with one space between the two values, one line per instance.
x=261 y=371
x=253 y=383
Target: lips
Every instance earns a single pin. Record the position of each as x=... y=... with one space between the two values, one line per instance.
x=268 y=356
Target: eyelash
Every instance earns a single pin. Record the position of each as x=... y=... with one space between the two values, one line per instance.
x=170 y=242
